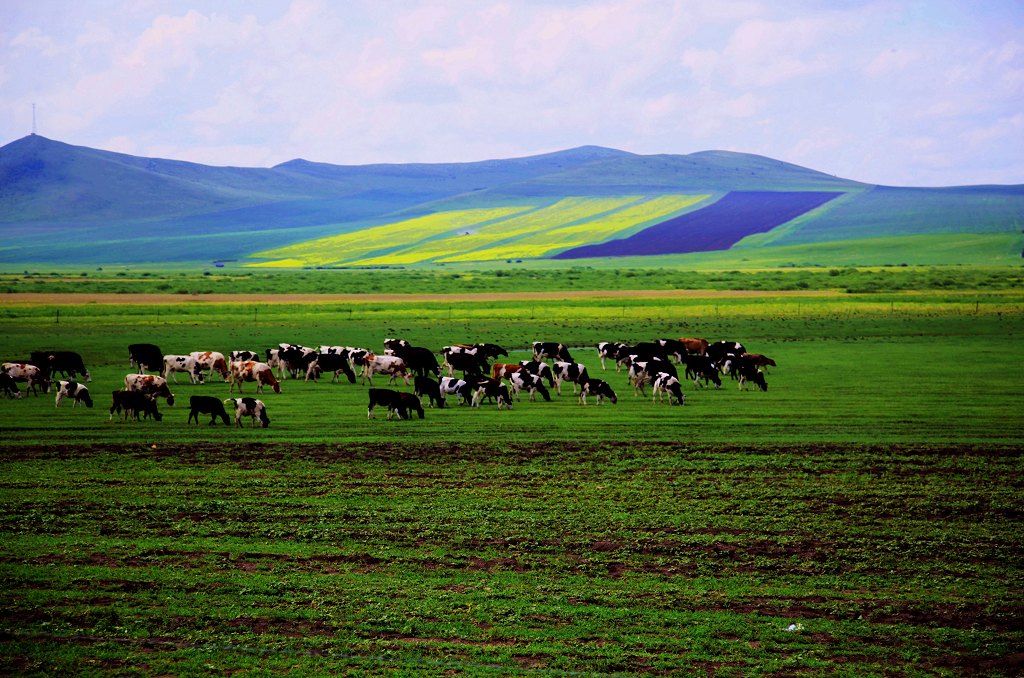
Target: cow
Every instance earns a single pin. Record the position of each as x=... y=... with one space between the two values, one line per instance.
x=749 y=373
x=425 y=387
x=470 y=360
x=643 y=351
x=235 y=356
x=694 y=345
x=210 y=361
x=491 y=388
x=204 y=404
x=597 y=388
x=552 y=350
x=673 y=348
x=335 y=363
x=146 y=357
x=760 y=360
x=68 y=363
x=609 y=349
x=8 y=386
x=542 y=370
x=392 y=346
x=32 y=375
x=251 y=370
x=568 y=371
x=181 y=363
x=418 y=360
x=391 y=365
x=72 y=389
x=702 y=367
x=396 y=402
x=149 y=384
x=293 y=360
x=248 y=407
x=457 y=387
x=721 y=350
x=504 y=370
x=521 y=379
x=668 y=385
x=134 y=403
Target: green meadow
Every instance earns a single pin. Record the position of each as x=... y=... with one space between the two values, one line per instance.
x=860 y=518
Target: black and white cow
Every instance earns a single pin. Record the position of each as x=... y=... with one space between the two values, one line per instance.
x=33 y=376
x=146 y=357
x=293 y=360
x=470 y=360
x=719 y=351
x=249 y=407
x=491 y=388
x=667 y=385
x=702 y=367
x=568 y=371
x=522 y=379
x=8 y=386
x=68 y=363
x=236 y=356
x=597 y=388
x=458 y=387
x=609 y=349
x=541 y=369
x=78 y=393
x=204 y=404
x=134 y=404
x=552 y=350
x=749 y=373
x=334 y=363
x=425 y=387
x=420 y=361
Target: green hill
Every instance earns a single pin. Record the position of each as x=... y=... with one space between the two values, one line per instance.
x=70 y=204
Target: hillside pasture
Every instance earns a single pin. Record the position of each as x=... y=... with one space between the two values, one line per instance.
x=859 y=518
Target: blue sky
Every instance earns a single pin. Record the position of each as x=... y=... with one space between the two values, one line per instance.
x=894 y=92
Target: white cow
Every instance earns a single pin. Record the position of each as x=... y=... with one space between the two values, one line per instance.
x=181 y=363
x=29 y=373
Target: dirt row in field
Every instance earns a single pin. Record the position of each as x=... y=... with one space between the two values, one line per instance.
x=67 y=298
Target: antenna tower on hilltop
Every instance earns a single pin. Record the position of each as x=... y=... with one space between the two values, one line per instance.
x=33 y=119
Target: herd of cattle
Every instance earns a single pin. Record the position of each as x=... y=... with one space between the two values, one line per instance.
x=657 y=364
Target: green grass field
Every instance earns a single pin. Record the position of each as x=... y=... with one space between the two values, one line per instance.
x=862 y=517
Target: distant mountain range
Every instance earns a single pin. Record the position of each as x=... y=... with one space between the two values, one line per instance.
x=70 y=204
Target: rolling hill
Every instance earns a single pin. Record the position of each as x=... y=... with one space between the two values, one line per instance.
x=67 y=204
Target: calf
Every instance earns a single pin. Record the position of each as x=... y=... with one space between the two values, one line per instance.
x=77 y=392
x=521 y=379
x=396 y=402
x=149 y=384
x=133 y=404
x=32 y=375
x=429 y=388
x=145 y=357
x=203 y=404
x=248 y=407
x=568 y=371
x=250 y=370
x=597 y=388
x=9 y=386
x=491 y=388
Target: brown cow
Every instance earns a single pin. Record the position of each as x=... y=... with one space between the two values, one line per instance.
x=251 y=370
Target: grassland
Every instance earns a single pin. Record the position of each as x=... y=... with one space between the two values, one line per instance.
x=860 y=518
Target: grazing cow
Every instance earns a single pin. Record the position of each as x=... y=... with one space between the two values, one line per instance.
x=248 y=407
x=235 y=356
x=457 y=387
x=640 y=374
x=668 y=385
x=391 y=365
x=418 y=360
x=521 y=379
x=552 y=350
x=181 y=363
x=470 y=360
x=146 y=357
x=335 y=363
x=597 y=388
x=396 y=402
x=429 y=388
x=293 y=360
x=568 y=371
x=694 y=345
x=32 y=375
x=721 y=350
x=491 y=388
x=542 y=370
x=133 y=404
x=750 y=373
x=702 y=367
x=68 y=363
x=204 y=404
x=9 y=386
x=644 y=351
x=673 y=348
x=251 y=370
x=150 y=384
x=504 y=370
x=609 y=349
x=210 y=361
x=762 y=361
x=72 y=389
x=392 y=346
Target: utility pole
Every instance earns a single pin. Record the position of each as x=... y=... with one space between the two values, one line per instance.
x=33 y=119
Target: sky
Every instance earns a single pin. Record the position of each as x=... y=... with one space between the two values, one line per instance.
x=896 y=92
